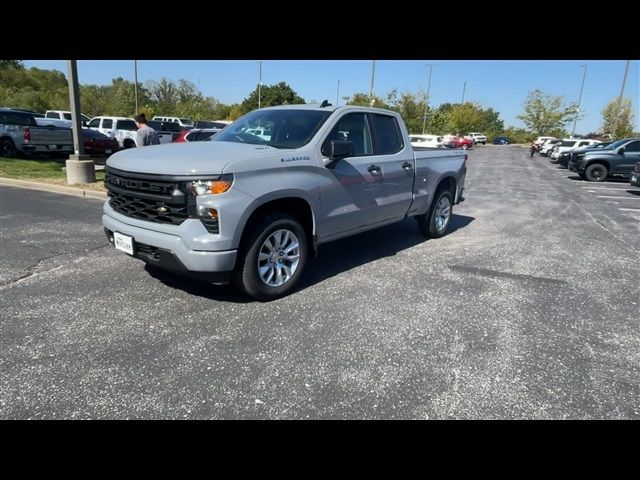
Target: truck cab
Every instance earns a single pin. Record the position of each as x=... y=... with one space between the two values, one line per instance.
x=123 y=129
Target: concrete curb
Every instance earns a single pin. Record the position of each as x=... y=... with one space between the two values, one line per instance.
x=47 y=187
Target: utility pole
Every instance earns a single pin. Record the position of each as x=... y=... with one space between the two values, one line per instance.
x=624 y=81
x=373 y=75
x=260 y=86
x=464 y=87
x=338 y=94
x=135 y=85
x=426 y=102
x=575 y=120
x=80 y=167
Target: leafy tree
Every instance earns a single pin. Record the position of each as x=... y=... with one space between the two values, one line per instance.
x=410 y=106
x=11 y=64
x=235 y=112
x=364 y=100
x=270 y=95
x=618 y=120
x=517 y=135
x=546 y=114
x=164 y=95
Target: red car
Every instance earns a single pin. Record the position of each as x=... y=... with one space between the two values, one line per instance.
x=461 y=142
x=96 y=143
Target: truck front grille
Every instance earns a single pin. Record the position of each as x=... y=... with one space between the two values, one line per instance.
x=148 y=199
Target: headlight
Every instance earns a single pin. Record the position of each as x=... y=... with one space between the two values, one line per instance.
x=211 y=187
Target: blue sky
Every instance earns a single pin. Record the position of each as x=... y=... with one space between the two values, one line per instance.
x=502 y=85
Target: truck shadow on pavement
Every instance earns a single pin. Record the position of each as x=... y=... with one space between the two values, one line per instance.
x=333 y=258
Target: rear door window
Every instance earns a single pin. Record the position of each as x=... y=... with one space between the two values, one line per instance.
x=107 y=123
x=388 y=138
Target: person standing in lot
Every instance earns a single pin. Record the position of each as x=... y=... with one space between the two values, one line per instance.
x=146 y=134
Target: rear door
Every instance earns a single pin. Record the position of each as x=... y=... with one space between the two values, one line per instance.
x=396 y=160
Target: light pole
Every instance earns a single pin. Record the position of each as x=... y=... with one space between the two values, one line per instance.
x=135 y=85
x=260 y=85
x=464 y=87
x=575 y=120
x=426 y=102
x=373 y=75
x=338 y=93
x=624 y=81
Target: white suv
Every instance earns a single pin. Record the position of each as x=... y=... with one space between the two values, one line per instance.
x=183 y=122
x=570 y=144
x=122 y=129
x=476 y=137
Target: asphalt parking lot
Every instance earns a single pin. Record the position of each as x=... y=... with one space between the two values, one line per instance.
x=528 y=309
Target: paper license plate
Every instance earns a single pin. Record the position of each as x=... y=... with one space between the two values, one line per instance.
x=123 y=242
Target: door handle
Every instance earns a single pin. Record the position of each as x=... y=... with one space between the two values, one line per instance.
x=407 y=166
x=374 y=169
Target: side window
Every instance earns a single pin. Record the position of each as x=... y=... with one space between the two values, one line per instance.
x=51 y=115
x=632 y=147
x=582 y=144
x=67 y=116
x=353 y=127
x=107 y=123
x=95 y=123
x=388 y=139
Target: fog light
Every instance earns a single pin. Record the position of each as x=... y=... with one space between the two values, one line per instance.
x=207 y=212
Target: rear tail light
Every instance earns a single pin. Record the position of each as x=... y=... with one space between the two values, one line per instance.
x=26 y=134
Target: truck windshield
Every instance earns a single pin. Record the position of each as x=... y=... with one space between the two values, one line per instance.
x=276 y=128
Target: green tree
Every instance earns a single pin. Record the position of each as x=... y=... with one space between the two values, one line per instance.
x=546 y=114
x=11 y=64
x=364 y=100
x=270 y=95
x=617 y=119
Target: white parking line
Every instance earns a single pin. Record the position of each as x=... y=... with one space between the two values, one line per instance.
x=630 y=209
x=623 y=187
x=623 y=198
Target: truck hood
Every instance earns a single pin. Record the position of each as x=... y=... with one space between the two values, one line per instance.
x=195 y=158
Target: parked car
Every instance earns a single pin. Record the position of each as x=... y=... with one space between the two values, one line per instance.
x=196 y=135
x=64 y=115
x=21 y=134
x=595 y=165
x=123 y=129
x=185 y=209
x=543 y=140
x=210 y=124
x=455 y=141
x=96 y=143
x=635 y=176
x=165 y=133
x=565 y=157
x=547 y=146
x=477 y=137
x=501 y=141
x=183 y=122
x=434 y=141
x=570 y=144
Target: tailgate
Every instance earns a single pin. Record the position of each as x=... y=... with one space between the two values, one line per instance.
x=51 y=136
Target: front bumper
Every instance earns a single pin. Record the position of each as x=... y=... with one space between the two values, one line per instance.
x=168 y=246
x=635 y=179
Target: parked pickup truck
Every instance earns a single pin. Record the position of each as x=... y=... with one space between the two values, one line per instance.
x=595 y=165
x=477 y=137
x=20 y=134
x=251 y=210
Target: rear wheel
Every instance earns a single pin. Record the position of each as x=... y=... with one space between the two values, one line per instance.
x=435 y=222
x=596 y=172
x=273 y=257
x=7 y=148
x=128 y=143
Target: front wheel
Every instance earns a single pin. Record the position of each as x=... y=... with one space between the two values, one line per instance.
x=484 y=143
x=596 y=173
x=273 y=257
x=434 y=223
x=7 y=149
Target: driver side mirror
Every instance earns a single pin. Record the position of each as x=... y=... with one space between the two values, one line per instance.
x=341 y=149
x=621 y=150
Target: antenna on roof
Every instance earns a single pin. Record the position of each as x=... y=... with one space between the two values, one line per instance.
x=325 y=103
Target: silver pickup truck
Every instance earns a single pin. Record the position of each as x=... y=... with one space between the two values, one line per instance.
x=21 y=134
x=251 y=209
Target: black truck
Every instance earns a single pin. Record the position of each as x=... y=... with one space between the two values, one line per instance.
x=596 y=164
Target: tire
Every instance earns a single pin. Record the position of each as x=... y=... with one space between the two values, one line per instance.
x=255 y=274
x=128 y=143
x=596 y=172
x=484 y=143
x=7 y=148
x=435 y=222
